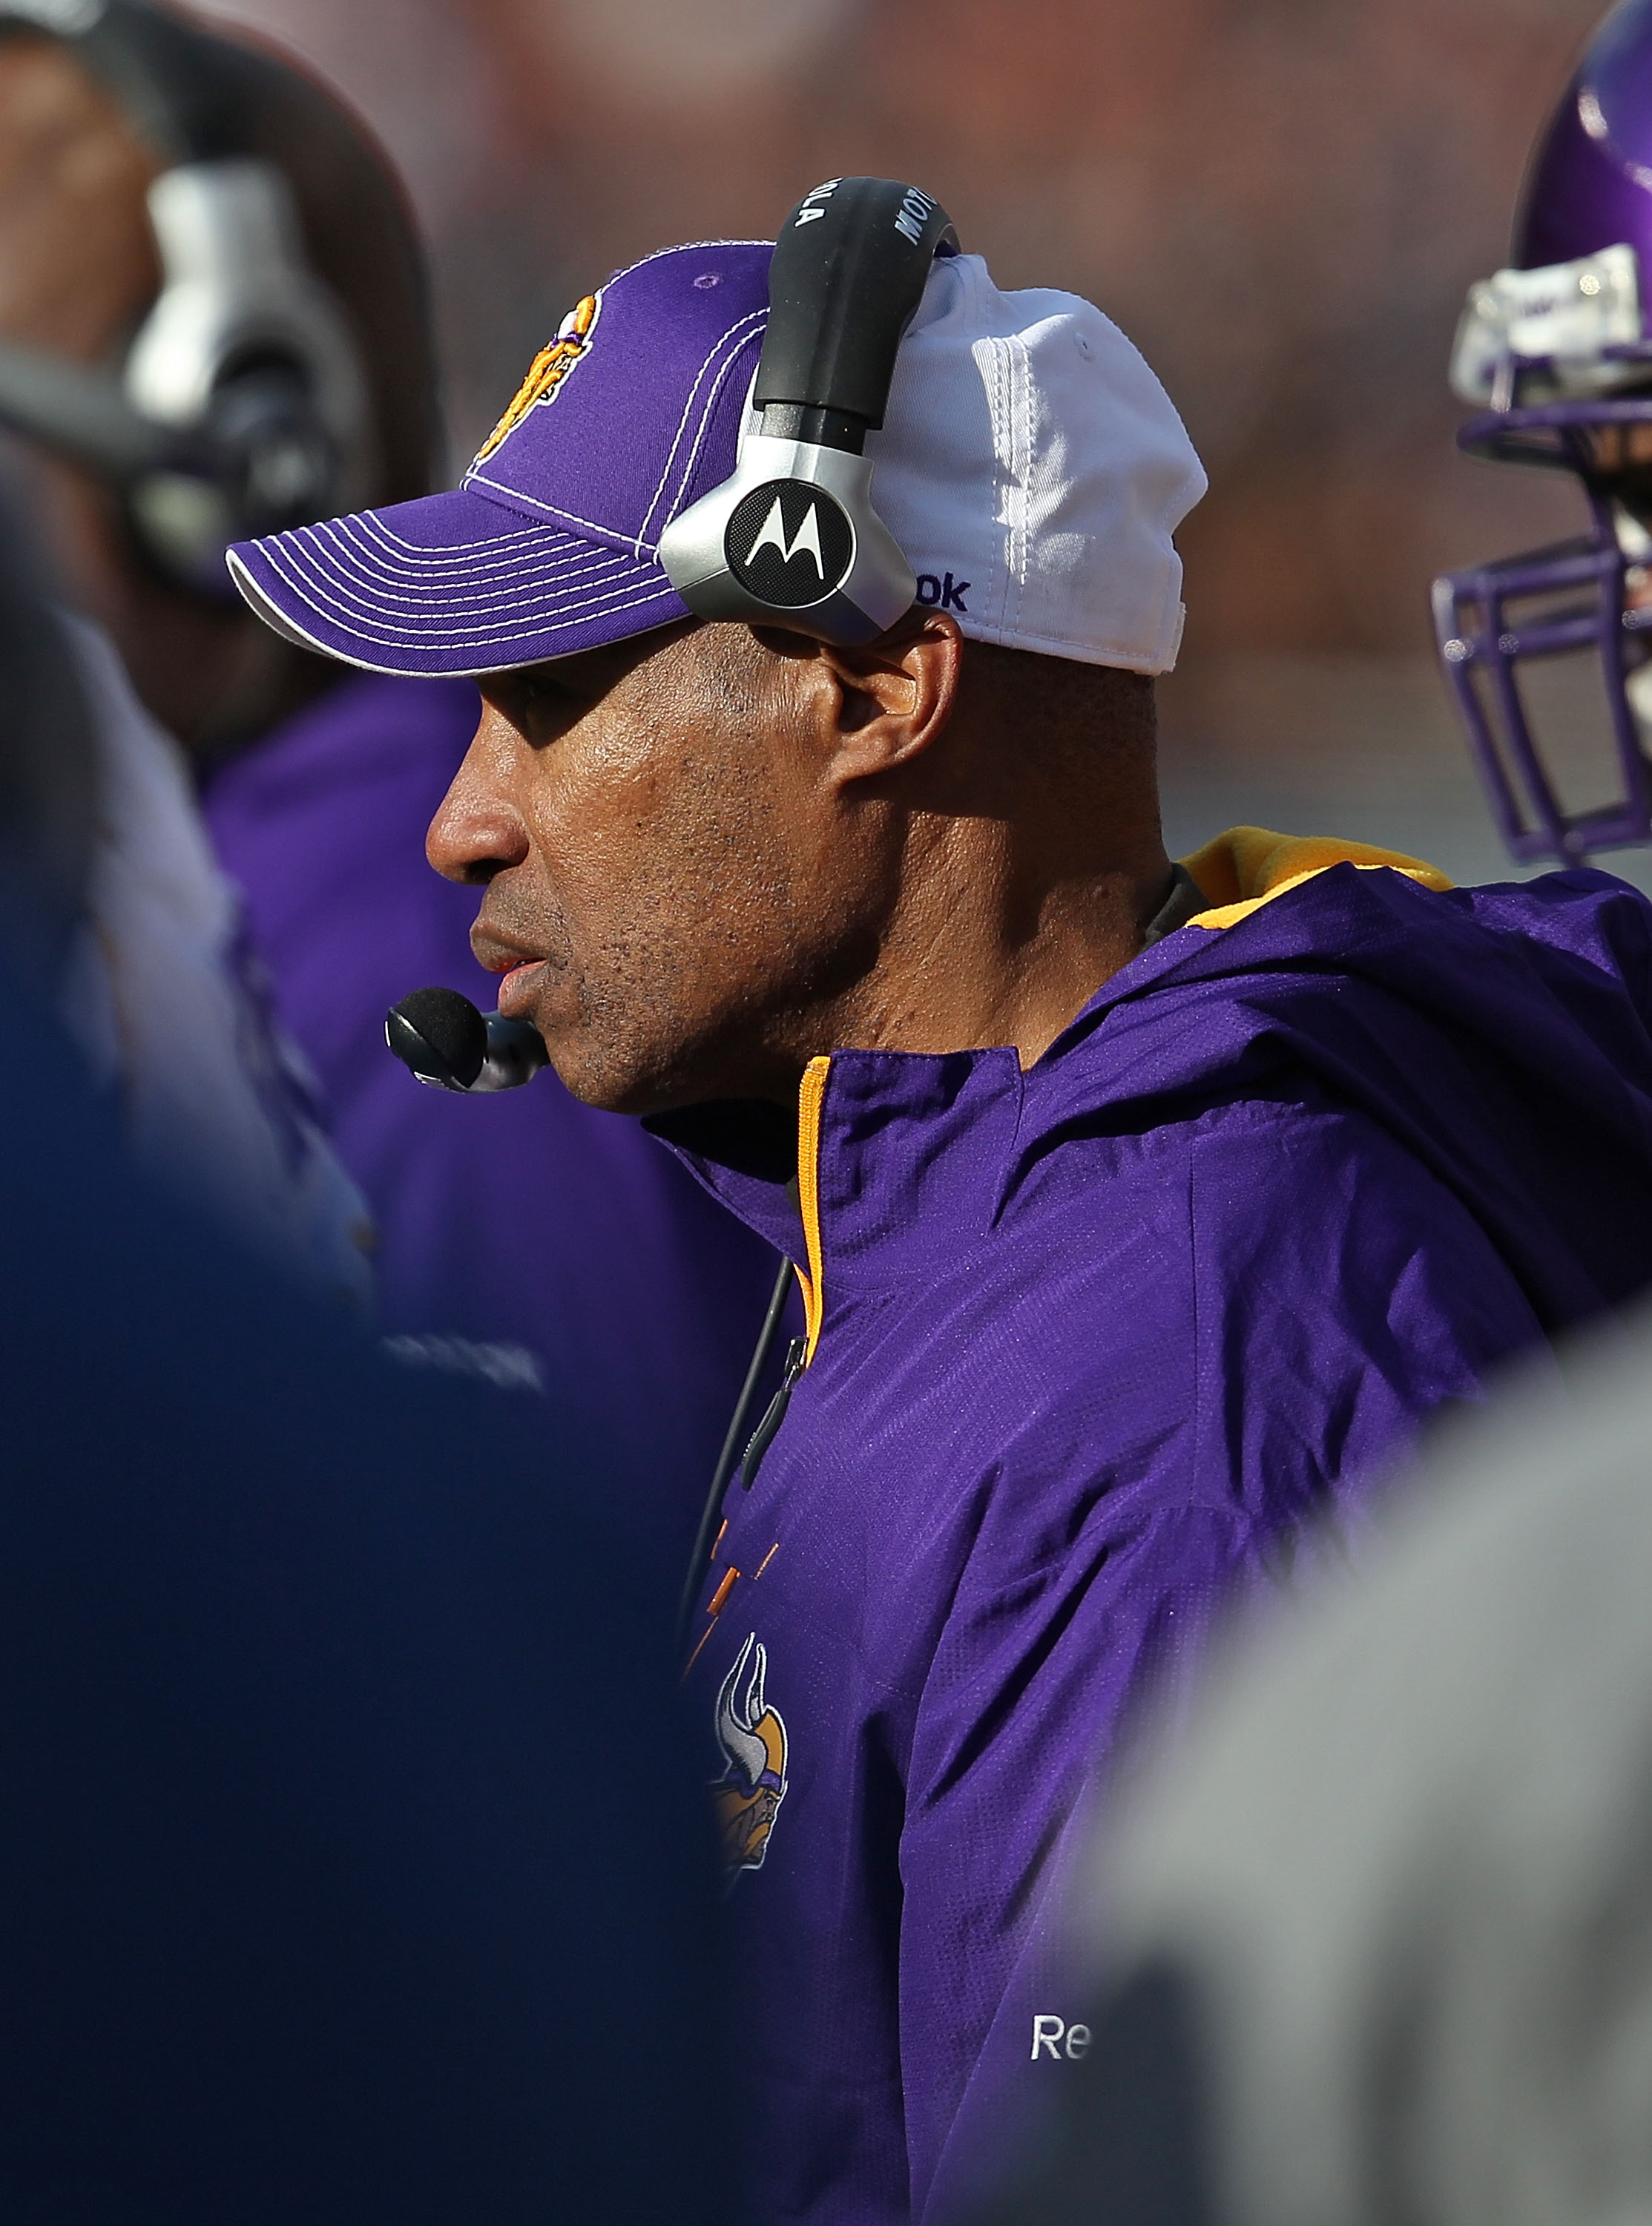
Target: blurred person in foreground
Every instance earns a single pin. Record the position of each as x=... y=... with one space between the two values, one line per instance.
x=1143 y=1212
x=165 y=998
x=159 y=989
x=307 y=1668
x=1378 y=1938
x=189 y=224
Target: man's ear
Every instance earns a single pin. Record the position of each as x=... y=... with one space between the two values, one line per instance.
x=882 y=703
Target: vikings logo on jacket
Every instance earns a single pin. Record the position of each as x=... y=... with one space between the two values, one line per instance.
x=547 y=370
x=753 y=1741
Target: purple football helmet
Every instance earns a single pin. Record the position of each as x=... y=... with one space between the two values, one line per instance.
x=1559 y=347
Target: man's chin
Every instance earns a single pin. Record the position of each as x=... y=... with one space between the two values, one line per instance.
x=584 y=1066
x=616 y=1068
x=602 y=1077
x=598 y=1085
x=590 y=1070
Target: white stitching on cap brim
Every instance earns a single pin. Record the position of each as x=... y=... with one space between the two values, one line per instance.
x=461 y=557
x=534 y=533
x=367 y=623
x=335 y=593
x=344 y=560
x=529 y=530
x=258 y=600
x=331 y=554
x=330 y=602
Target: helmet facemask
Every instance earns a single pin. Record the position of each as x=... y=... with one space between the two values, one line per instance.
x=1498 y=624
x=1555 y=353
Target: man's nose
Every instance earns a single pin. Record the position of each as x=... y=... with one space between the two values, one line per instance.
x=478 y=830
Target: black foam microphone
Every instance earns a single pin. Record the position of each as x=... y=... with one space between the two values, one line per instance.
x=448 y=1045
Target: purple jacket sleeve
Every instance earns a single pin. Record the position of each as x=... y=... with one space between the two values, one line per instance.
x=1334 y=1294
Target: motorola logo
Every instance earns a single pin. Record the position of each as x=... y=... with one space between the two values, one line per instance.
x=790 y=544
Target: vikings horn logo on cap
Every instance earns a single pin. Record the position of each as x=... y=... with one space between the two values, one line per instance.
x=753 y=1741
x=547 y=370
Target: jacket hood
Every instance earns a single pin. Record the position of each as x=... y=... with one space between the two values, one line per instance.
x=1502 y=1034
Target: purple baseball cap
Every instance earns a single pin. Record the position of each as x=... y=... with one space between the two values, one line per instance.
x=550 y=544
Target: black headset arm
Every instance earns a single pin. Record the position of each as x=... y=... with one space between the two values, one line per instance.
x=84 y=414
x=849 y=272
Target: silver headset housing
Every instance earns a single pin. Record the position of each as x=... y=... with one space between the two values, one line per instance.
x=236 y=291
x=857 y=600
x=236 y=287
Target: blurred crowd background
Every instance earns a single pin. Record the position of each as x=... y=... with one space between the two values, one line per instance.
x=1282 y=202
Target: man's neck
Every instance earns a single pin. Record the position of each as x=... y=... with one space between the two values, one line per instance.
x=985 y=951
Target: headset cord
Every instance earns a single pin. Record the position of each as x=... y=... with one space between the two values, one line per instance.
x=767 y=1337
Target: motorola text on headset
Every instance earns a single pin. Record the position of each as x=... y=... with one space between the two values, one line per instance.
x=791 y=539
x=241 y=407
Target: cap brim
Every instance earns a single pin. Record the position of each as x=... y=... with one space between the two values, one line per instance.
x=450 y=584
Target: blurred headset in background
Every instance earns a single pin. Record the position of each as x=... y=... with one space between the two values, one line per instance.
x=241 y=408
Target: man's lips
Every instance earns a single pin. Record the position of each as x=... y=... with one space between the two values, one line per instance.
x=500 y=953
x=516 y=989
x=519 y=966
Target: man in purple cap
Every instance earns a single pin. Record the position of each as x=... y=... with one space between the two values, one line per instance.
x=1142 y=1212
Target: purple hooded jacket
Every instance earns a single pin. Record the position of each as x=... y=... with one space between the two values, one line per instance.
x=1090 y=1347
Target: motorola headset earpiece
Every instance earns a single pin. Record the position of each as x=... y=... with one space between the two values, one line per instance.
x=792 y=538
x=242 y=408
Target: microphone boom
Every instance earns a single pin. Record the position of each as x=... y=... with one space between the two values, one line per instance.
x=445 y=1043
